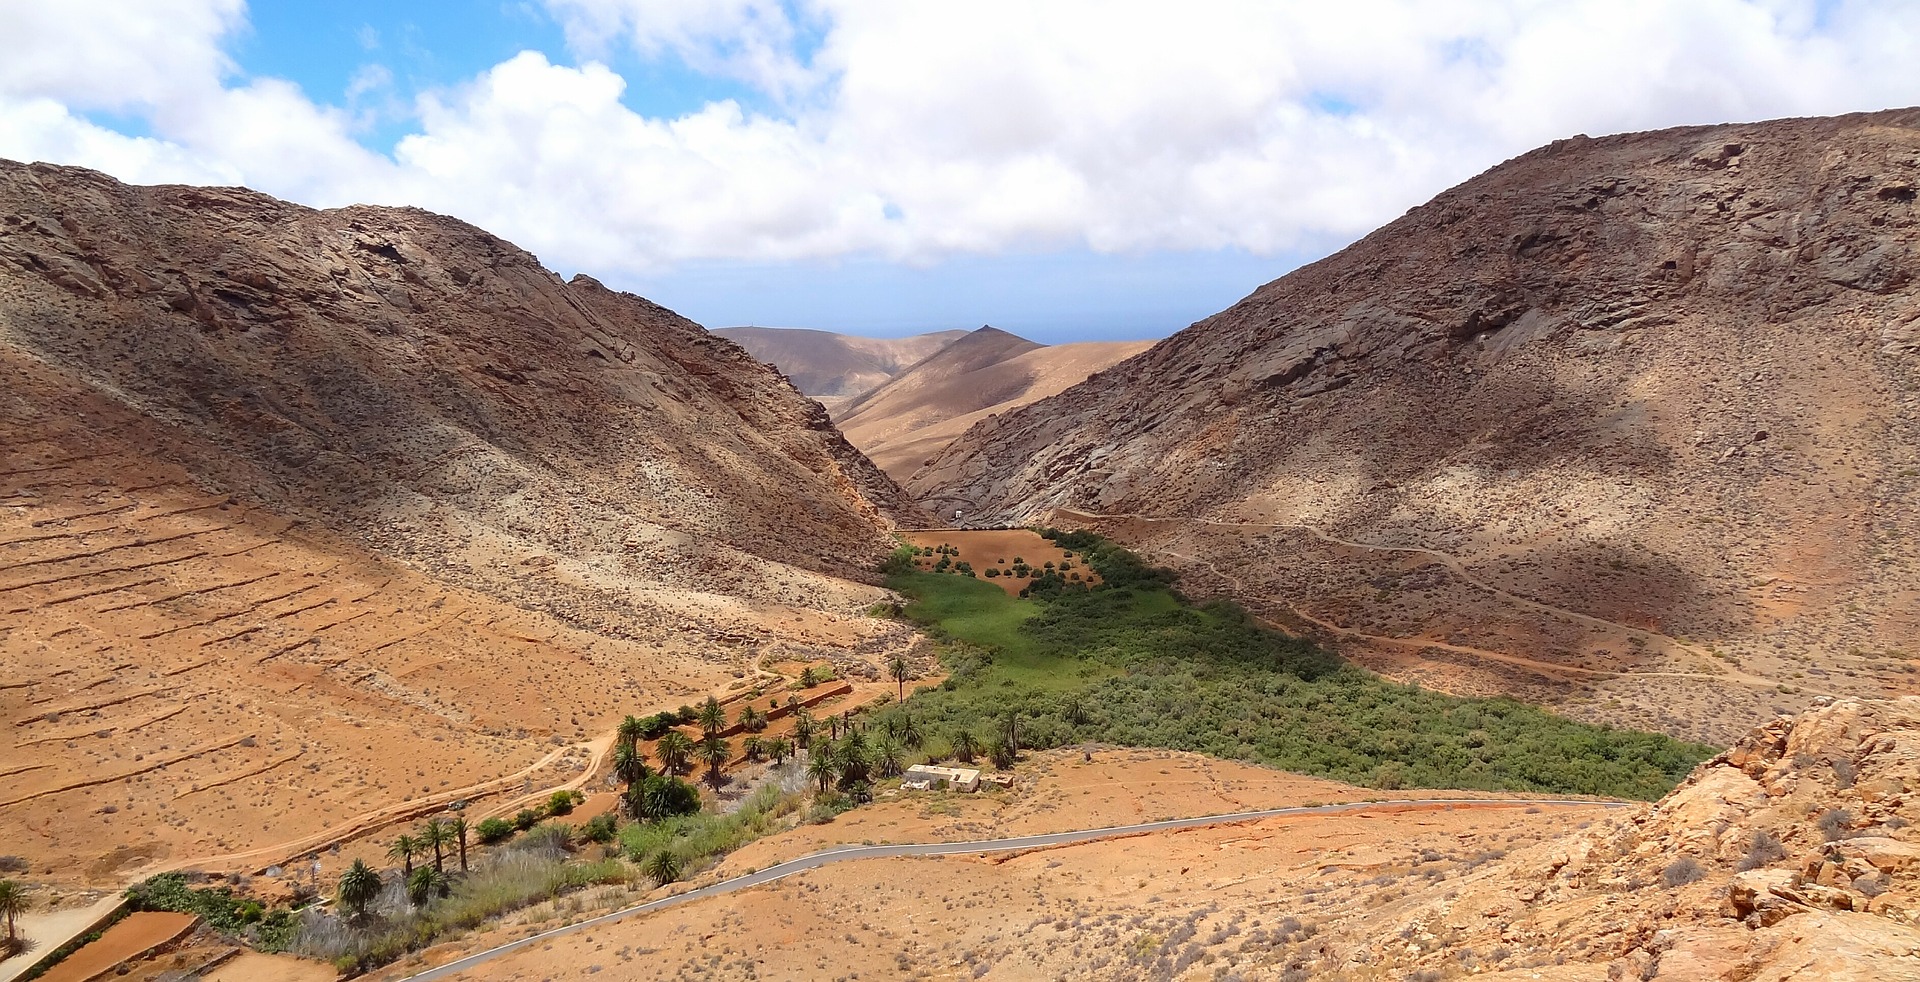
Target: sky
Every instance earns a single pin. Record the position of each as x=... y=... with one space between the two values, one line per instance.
x=1064 y=169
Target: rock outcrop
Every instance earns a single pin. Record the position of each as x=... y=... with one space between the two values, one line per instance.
x=1794 y=855
x=1647 y=402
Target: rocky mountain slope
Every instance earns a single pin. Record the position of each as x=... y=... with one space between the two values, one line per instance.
x=910 y=419
x=836 y=368
x=1628 y=423
x=309 y=514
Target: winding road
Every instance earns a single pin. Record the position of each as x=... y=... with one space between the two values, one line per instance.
x=850 y=853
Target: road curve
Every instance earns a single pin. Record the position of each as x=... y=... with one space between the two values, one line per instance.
x=846 y=853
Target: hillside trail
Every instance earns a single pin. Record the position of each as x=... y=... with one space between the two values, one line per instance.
x=1455 y=565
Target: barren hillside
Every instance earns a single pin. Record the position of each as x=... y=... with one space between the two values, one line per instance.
x=1625 y=423
x=1791 y=856
x=836 y=368
x=309 y=517
x=909 y=420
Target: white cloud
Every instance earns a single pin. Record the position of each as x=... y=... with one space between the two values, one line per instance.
x=914 y=130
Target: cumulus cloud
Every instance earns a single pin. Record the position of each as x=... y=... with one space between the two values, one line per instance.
x=916 y=130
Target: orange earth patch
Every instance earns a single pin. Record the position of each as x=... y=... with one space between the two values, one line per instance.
x=985 y=549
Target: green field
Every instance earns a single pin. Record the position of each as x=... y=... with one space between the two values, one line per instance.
x=1131 y=663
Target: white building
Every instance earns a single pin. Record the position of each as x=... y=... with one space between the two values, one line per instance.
x=924 y=777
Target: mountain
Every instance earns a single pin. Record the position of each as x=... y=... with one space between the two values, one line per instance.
x=340 y=513
x=834 y=368
x=1628 y=424
x=908 y=420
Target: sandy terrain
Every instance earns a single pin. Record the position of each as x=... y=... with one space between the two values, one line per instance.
x=857 y=918
x=251 y=966
x=911 y=418
x=998 y=548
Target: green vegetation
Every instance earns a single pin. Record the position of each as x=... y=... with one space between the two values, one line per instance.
x=1130 y=662
x=691 y=841
x=13 y=901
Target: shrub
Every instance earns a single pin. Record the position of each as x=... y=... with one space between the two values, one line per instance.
x=900 y=560
x=600 y=828
x=561 y=803
x=526 y=818
x=1763 y=850
x=1682 y=871
x=492 y=830
x=1834 y=823
x=992 y=572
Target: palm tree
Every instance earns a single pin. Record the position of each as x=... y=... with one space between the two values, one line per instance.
x=1074 y=713
x=910 y=733
x=1003 y=754
x=459 y=827
x=851 y=757
x=712 y=718
x=751 y=719
x=807 y=678
x=663 y=866
x=404 y=849
x=887 y=760
x=435 y=835
x=752 y=748
x=629 y=765
x=424 y=883
x=715 y=753
x=778 y=749
x=674 y=750
x=897 y=670
x=802 y=727
x=965 y=746
x=631 y=730
x=820 y=768
x=1011 y=731
x=358 y=886
x=13 y=901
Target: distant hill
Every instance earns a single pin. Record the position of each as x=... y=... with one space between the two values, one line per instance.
x=912 y=418
x=834 y=368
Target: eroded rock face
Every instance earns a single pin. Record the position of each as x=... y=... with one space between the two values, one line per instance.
x=1667 y=381
x=432 y=390
x=1792 y=855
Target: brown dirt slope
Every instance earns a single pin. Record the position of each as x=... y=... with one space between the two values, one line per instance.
x=835 y=368
x=1645 y=403
x=1792 y=856
x=909 y=420
x=312 y=520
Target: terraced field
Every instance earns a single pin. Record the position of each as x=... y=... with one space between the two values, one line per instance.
x=186 y=679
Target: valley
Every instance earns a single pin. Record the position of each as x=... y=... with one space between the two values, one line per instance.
x=375 y=600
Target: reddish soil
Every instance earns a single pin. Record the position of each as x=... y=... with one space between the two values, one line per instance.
x=997 y=549
x=137 y=934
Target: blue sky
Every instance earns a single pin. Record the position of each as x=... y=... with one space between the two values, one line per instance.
x=1064 y=169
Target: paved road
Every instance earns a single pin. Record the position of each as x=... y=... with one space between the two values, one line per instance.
x=846 y=853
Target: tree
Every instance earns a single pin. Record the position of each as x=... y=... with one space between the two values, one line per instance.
x=629 y=765
x=358 y=886
x=778 y=749
x=1003 y=754
x=712 y=719
x=714 y=752
x=820 y=767
x=752 y=720
x=435 y=835
x=966 y=746
x=13 y=902
x=807 y=678
x=404 y=849
x=899 y=671
x=910 y=733
x=459 y=827
x=1010 y=731
x=752 y=748
x=424 y=884
x=631 y=730
x=802 y=727
x=675 y=749
x=663 y=866
x=887 y=760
